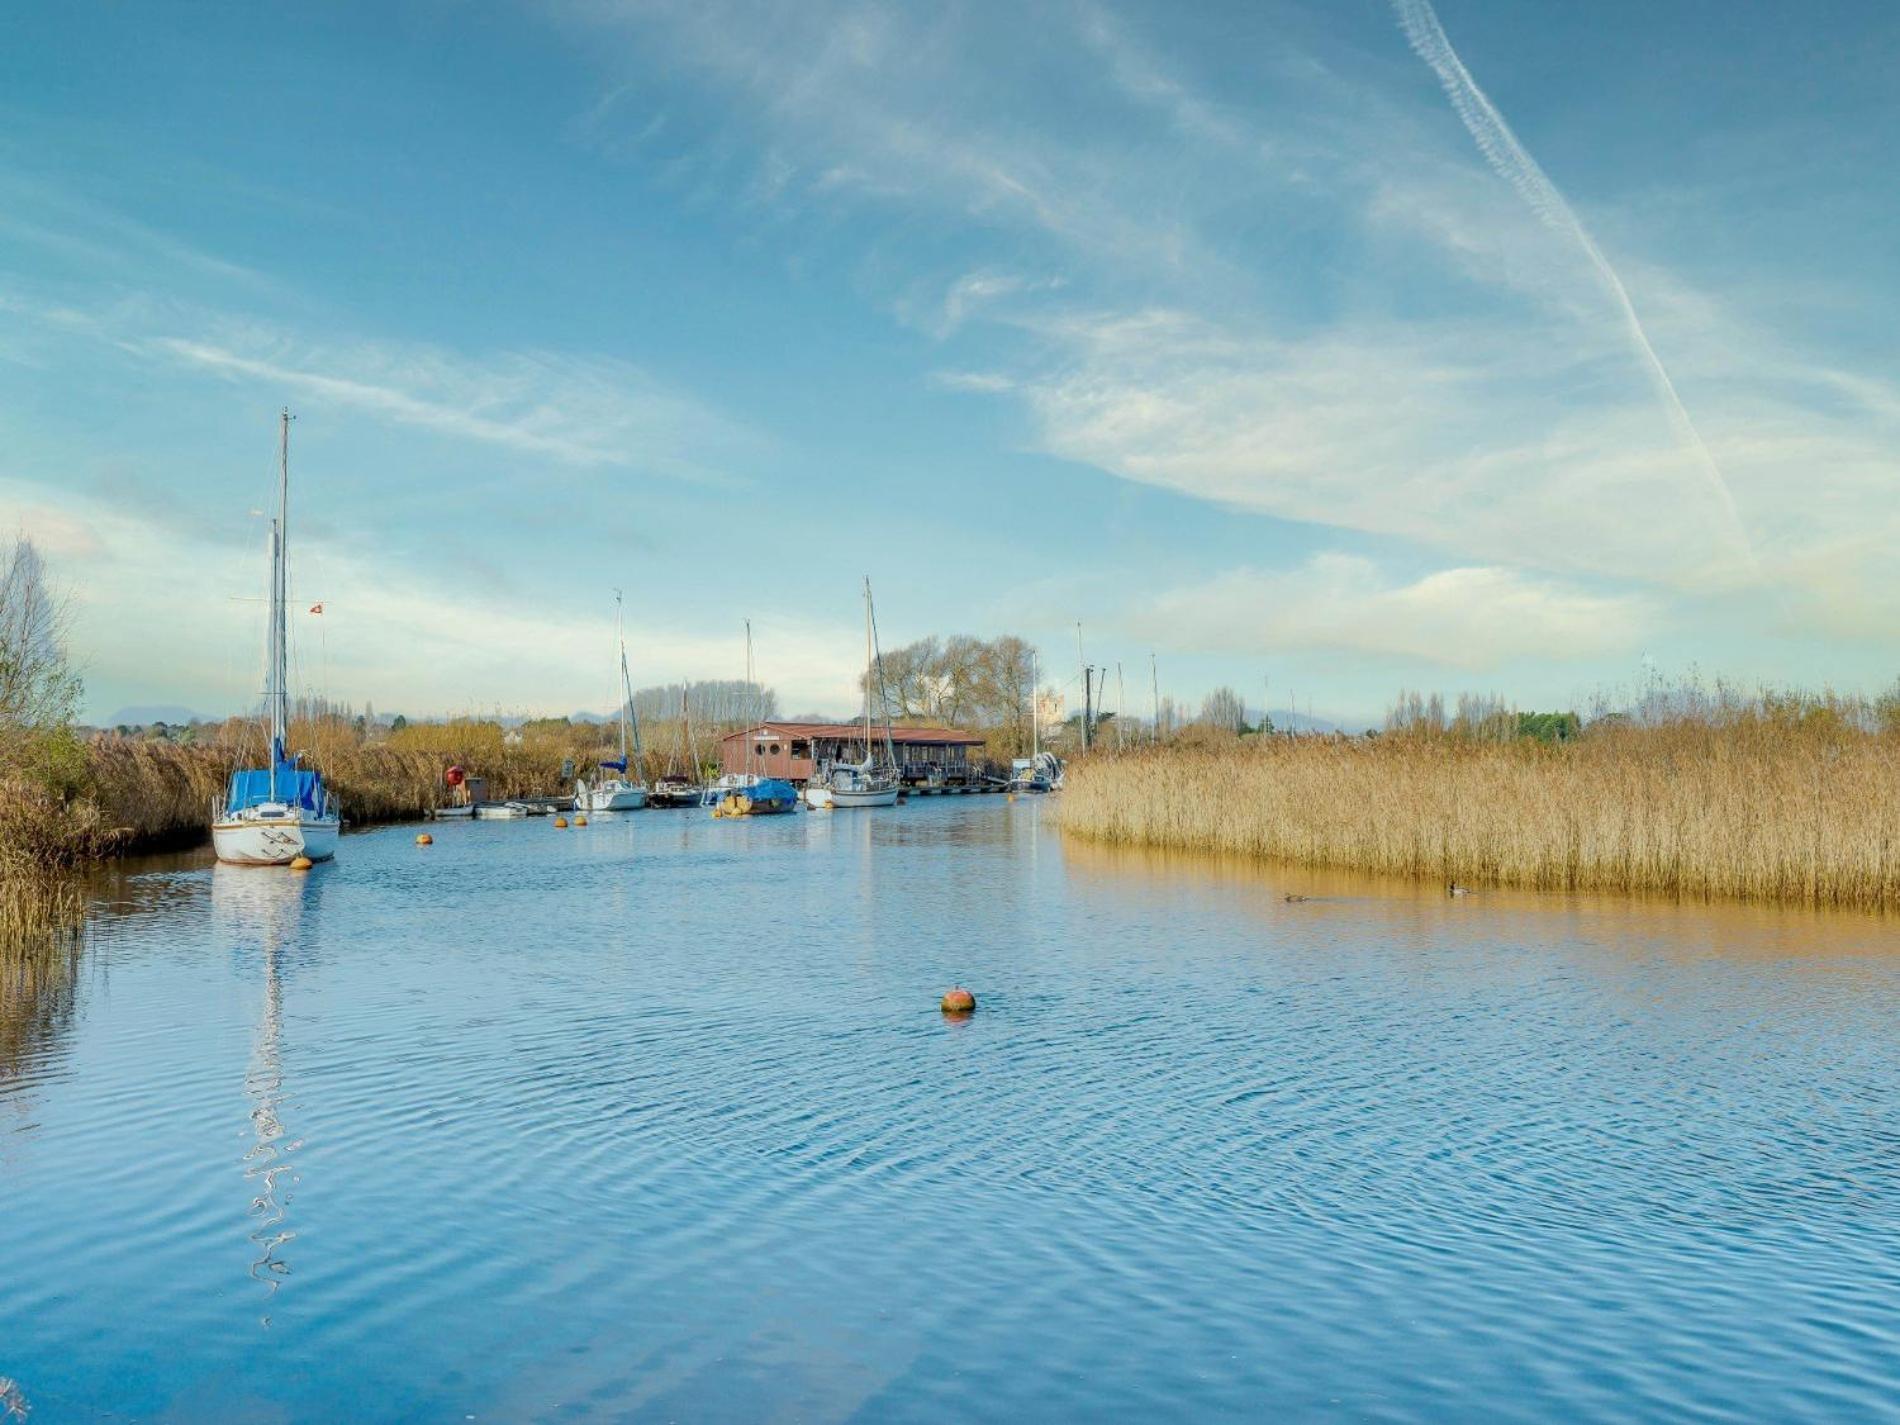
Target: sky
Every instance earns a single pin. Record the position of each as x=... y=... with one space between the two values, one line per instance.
x=1318 y=349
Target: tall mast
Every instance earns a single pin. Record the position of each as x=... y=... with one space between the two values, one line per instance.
x=279 y=685
x=868 y=658
x=751 y=699
x=1035 y=712
x=1154 y=676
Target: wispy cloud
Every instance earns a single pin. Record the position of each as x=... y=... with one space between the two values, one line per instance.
x=1514 y=164
x=583 y=411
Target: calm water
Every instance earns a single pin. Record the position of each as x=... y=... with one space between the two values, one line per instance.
x=658 y=1120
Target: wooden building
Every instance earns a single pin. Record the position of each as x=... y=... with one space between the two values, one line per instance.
x=797 y=750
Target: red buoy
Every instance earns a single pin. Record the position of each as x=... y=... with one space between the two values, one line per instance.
x=455 y=776
x=958 y=1000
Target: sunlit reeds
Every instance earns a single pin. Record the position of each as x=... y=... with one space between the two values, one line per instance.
x=1796 y=800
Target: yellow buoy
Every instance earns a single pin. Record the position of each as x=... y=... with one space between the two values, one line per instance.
x=560 y=821
x=580 y=821
x=425 y=839
x=301 y=863
x=742 y=805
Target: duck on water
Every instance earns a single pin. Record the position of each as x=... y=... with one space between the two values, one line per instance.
x=271 y=815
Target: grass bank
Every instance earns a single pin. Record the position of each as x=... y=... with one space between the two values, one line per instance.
x=1797 y=802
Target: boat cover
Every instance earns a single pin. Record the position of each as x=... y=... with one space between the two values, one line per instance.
x=296 y=786
x=619 y=764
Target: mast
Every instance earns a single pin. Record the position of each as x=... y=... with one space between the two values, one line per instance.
x=1154 y=676
x=869 y=657
x=751 y=699
x=1035 y=713
x=1120 y=689
x=277 y=685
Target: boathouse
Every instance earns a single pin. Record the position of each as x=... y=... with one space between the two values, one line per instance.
x=796 y=750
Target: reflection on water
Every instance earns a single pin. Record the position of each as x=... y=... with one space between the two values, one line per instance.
x=658 y=1119
x=40 y=949
x=258 y=906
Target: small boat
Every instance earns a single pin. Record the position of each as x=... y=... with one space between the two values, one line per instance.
x=502 y=811
x=747 y=793
x=869 y=783
x=617 y=792
x=678 y=785
x=272 y=815
x=1040 y=771
x=453 y=813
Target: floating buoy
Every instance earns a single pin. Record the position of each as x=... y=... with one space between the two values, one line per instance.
x=1012 y=796
x=580 y=821
x=560 y=823
x=958 y=1000
x=301 y=863
x=425 y=839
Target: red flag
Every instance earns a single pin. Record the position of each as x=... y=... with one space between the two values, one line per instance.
x=316 y=608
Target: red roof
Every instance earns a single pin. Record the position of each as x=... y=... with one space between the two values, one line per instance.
x=902 y=736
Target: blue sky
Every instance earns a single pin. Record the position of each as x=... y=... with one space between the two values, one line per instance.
x=1353 y=346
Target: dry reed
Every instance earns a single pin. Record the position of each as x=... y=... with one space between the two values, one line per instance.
x=1792 y=805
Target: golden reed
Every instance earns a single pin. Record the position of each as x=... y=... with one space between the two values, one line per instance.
x=1795 y=806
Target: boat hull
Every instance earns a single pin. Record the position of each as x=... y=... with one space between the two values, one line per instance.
x=847 y=797
x=620 y=798
x=276 y=842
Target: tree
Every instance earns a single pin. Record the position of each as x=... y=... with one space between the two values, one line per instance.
x=1223 y=708
x=39 y=692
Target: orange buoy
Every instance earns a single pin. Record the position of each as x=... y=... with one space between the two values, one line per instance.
x=560 y=822
x=301 y=863
x=425 y=839
x=580 y=821
x=958 y=1000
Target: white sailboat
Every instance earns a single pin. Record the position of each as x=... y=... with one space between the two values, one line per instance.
x=619 y=792
x=869 y=783
x=270 y=816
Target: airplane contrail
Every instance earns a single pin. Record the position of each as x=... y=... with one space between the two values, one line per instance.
x=1514 y=164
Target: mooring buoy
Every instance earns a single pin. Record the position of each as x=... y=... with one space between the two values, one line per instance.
x=957 y=1000
x=560 y=823
x=580 y=821
x=301 y=863
x=424 y=839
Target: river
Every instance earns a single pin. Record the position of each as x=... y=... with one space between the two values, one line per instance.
x=657 y=1119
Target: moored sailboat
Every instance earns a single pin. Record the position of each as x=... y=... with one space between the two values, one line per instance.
x=619 y=792
x=747 y=793
x=272 y=815
x=870 y=783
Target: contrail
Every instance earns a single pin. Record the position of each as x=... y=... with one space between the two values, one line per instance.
x=1515 y=165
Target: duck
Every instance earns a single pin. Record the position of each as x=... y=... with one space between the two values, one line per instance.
x=1452 y=888
x=1292 y=899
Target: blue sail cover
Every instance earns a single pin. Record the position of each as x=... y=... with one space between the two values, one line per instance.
x=295 y=786
x=619 y=764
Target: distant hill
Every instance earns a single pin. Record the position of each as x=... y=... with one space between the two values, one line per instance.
x=1287 y=720
x=143 y=715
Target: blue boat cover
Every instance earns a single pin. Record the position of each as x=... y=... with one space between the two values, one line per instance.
x=619 y=764
x=296 y=786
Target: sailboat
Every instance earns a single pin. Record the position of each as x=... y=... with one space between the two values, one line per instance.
x=272 y=815
x=618 y=792
x=869 y=783
x=747 y=793
x=679 y=785
x=1040 y=771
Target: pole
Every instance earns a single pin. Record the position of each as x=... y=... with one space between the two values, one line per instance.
x=1154 y=675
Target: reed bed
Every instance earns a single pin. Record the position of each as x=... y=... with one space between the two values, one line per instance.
x=1798 y=807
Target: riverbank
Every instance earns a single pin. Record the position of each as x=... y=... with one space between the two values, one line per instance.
x=124 y=794
x=1793 y=809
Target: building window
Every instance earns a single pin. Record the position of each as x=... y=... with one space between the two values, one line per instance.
x=801 y=748
x=775 y=749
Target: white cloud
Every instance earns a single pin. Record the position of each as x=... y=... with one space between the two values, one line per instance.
x=1472 y=619
x=170 y=617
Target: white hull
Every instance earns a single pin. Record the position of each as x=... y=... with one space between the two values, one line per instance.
x=842 y=798
x=615 y=796
x=818 y=798
x=275 y=842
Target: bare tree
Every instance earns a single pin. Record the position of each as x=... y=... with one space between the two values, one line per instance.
x=38 y=689
x=1223 y=708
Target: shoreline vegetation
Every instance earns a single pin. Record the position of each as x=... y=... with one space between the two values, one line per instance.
x=1781 y=798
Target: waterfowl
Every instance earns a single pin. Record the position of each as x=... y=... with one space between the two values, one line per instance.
x=1452 y=888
